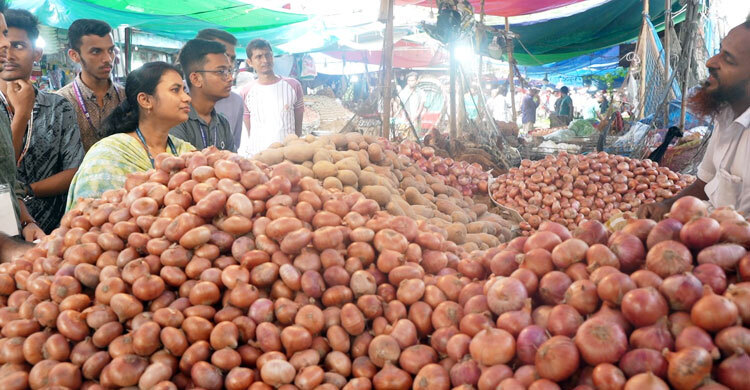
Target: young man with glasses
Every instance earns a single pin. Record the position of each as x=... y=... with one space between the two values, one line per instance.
x=208 y=74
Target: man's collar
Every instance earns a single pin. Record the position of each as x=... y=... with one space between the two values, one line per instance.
x=744 y=118
x=193 y=115
x=87 y=92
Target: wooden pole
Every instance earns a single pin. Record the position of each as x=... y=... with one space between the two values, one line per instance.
x=667 y=47
x=511 y=83
x=480 y=36
x=388 y=70
x=452 y=104
x=642 y=42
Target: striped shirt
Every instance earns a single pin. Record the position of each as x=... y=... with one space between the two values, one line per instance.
x=270 y=110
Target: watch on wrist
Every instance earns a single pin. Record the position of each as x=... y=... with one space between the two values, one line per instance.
x=27 y=223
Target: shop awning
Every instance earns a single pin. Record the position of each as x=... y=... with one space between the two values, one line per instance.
x=503 y=7
x=175 y=19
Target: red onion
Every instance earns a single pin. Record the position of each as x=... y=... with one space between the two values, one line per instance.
x=465 y=372
x=556 y=228
x=668 y=258
x=592 y=232
x=646 y=278
x=600 y=341
x=629 y=250
x=505 y=262
x=569 y=252
x=552 y=287
x=642 y=360
x=739 y=294
x=682 y=291
x=743 y=268
x=693 y=336
x=733 y=339
x=700 y=233
x=725 y=256
x=557 y=359
x=506 y=294
x=644 y=381
x=687 y=208
x=733 y=371
x=528 y=342
x=564 y=320
x=608 y=377
x=644 y=306
x=713 y=276
x=678 y=321
x=492 y=346
x=639 y=228
x=656 y=337
x=582 y=295
x=666 y=229
x=543 y=240
x=613 y=287
x=599 y=255
x=725 y=214
x=737 y=232
x=688 y=368
x=608 y=313
x=714 y=312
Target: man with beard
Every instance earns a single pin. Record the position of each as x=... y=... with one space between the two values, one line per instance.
x=208 y=74
x=47 y=145
x=723 y=176
x=14 y=218
x=93 y=93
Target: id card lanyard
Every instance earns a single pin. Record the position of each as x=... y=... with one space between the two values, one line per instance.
x=82 y=104
x=143 y=141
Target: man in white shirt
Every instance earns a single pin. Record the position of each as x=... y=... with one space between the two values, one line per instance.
x=500 y=105
x=723 y=176
x=274 y=105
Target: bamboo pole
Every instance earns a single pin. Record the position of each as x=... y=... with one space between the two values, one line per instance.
x=388 y=71
x=667 y=47
x=511 y=83
x=642 y=42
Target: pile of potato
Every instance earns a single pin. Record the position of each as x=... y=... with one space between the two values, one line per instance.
x=353 y=162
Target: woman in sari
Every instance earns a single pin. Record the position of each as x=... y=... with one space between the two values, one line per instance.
x=138 y=130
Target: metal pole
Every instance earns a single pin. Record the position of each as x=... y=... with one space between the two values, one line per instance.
x=667 y=47
x=388 y=67
x=480 y=35
x=128 y=48
x=511 y=83
x=452 y=103
x=642 y=42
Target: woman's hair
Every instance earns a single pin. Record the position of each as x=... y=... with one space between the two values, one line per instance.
x=124 y=118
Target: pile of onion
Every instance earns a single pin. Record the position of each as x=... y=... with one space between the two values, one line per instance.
x=568 y=188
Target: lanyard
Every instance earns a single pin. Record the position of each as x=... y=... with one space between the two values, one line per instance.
x=204 y=137
x=82 y=104
x=29 y=128
x=143 y=140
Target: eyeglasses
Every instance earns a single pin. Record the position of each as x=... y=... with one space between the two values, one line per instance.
x=225 y=74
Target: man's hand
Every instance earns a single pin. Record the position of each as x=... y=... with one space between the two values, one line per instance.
x=21 y=96
x=653 y=211
x=33 y=232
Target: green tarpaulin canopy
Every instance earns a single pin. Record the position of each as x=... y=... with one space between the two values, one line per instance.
x=179 y=19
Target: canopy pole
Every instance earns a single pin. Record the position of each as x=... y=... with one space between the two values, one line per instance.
x=128 y=48
x=667 y=47
x=480 y=35
x=642 y=42
x=452 y=103
x=511 y=82
x=388 y=70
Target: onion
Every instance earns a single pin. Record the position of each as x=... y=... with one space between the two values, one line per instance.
x=725 y=256
x=656 y=337
x=693 y=336
x=608 y=377
x=688 y=208
x=700 y=233
x=552 y=287
x=600 y=341
x=645 y=381
x=629 y=250
x=682 y=291
x=688 y=368
x=666 y=229
x=735 y=231
x=514 y=321
x=544 y=240
x=642 y=360
x=592 y=232
x=668 y=258
x=492 y=346
x=743 y=268
x=714 y=312
x=556 y=228
x=564 y=320
x=599 y=255
x=613 y=287
x=734 y=339
x=739 y=294
x=528 y=342
x=646 y=278
x=570 y=251
x=639 y=228
x=557 y=359
x=678 y=321
x=733 y=371
x=644 y=306
x=392 y=377
x=466 y=372
x=713 y=276
x=432 y=376
x=582 y=295
x=507 y=294
x=607 y=313
x=492 y=376
x=505 y=262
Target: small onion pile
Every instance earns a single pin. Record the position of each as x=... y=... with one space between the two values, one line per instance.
x=569 y=188
x=468 y=178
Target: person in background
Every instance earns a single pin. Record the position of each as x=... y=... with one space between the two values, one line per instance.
x=500 y=105
x=23 y=222
x=155 y=101
x=590 y=110
x=471 y=98
x=48 y=146
x=603 y=102
x=563 y=114
x=208 y=74
x=274 y=105
x=413 y=99
x=528 y=110
x=92 y=92
x=723 y=178
x=231 y=106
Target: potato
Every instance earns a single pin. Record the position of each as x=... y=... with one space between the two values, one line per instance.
x=423 y=211
x=393 y=209
x=349 y=163
x=305 y=171
x=332 y=182
x=348 y=178
x=479 y=208
x=447 y=207
x=270 y=156
x=367 y=178
x=324 y=169
x=439 y=222
x=375 y=152
x=339 y=140
x=322 y=155
x=299 y=153
x=413 y=196
x=457 y=233
x=470 y=246
x=308 y=164
x=483 y=238
x=377 y=193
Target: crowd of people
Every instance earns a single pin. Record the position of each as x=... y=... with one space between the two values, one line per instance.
x=84 y=139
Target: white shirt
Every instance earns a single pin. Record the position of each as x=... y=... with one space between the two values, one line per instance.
x=271 y=110
x=728 y=133
x=500 y=106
